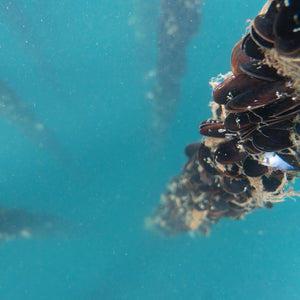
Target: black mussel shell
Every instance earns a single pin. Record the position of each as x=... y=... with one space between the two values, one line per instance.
x=289 y=113
x=233 y=185
x=250 y=148
x=205 y=160
x=229 y=152
x=259 y=40
x=234 y=86
x=248 y=132
x=287 y=28
x=285 y=107
x=191 y=149
x=251 y=48
x=271 y=183
x=260 y=71
x=272 y=139
x=252 y=168
x=212 y=128
x=263 y=24
x=255 y=98
x=241 y=121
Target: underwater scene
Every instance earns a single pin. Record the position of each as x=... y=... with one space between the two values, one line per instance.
x=108 y=190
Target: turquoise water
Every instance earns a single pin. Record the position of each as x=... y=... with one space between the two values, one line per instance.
x=85 y=78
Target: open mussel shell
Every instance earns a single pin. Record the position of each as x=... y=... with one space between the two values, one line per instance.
x=233 y=86
x=251 y=48
x=233 y=185
x=260 y=71
x=291 y=157
x=253 y=168
x=229 y=152
x=287 y=28
x=283 y=160
x=238 y=57
x=255 y=98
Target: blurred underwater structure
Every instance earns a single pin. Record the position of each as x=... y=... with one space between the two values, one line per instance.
x=16 y=112
x=21 y=223
x=179 y=23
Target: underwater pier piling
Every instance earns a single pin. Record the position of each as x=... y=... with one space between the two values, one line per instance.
x=179 y=24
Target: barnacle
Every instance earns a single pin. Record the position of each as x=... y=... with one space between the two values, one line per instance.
x=251 y=148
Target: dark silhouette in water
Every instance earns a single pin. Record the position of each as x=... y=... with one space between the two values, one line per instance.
x=14 y=110
x=179 y=23
x=19 y=223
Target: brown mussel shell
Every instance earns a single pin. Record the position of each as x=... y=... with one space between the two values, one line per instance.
x=233 y=86
x=238 y=57
x=212 y=128
x=260 y=71
x=258 y=97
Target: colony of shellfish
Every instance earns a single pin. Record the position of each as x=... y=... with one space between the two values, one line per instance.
x=252 y=142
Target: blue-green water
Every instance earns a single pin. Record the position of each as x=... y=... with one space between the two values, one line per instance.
x=86 y=81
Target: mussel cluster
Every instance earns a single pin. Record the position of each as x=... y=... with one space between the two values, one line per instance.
x=251 y=147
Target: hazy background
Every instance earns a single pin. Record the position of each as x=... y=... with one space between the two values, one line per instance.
x=85 y=77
